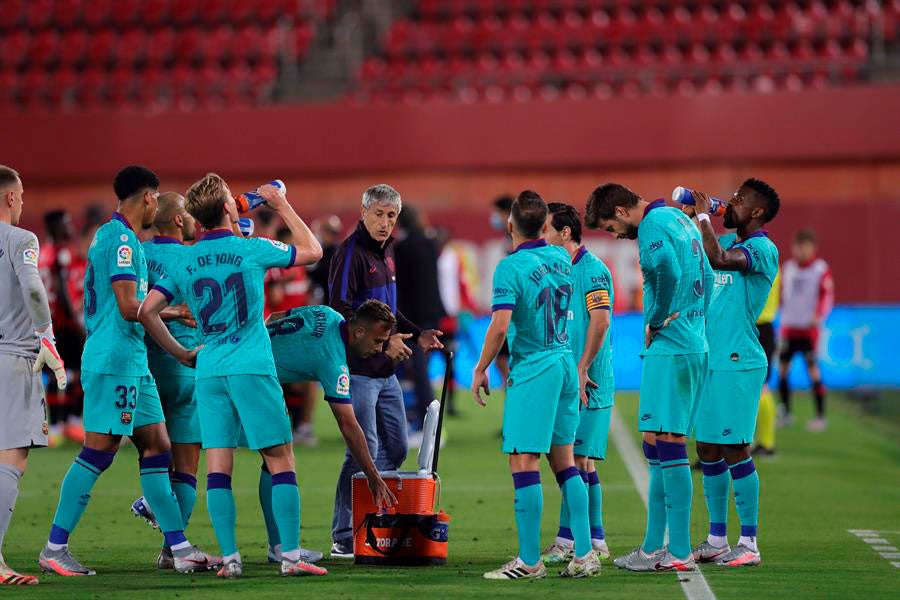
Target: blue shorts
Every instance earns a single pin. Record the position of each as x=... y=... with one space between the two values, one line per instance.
x=728 y=407
x=119 y=404
x=592 y=436
x=180 y=407
x=671 y=386
x=227 y=403
x=542 y=411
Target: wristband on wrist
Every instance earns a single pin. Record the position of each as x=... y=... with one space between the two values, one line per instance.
x=47 y=334
x=703 y=217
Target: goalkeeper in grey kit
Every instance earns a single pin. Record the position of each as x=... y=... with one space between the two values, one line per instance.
x=26 y=345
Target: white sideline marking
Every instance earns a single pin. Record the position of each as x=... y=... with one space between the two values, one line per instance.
x=693 y=584
x=879 y=544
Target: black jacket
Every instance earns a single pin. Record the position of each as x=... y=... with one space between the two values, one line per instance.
x=418 y=294
x=363 y=269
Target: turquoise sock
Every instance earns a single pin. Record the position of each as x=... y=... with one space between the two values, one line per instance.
x=595 y=505
x=679 y=489
x=75 y=491
x=159 y=494
x=576 y=498
x=286 y=507
x=222 y=513
x=716 y=485
x=746 y=495
x=529 y=504
x=185 y=487
x=265 y=501
x=656 y=503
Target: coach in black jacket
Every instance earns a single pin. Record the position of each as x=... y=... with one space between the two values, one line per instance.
x=363 y=268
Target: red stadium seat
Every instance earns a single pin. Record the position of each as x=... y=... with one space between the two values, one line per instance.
x=11 y=16
x=38 y=13
x=66 y=12
x=61 y=92
x=73 y=47
x=96 y=13
x=132 y=47
x=14 y=49
x=303 y=36
x=121 y=85
x=160 y=46
x=217 y=46
x=34 y=87
x=125 y=12
x=102 y=47
x=155 y=12
x=184 y=12
x=44 y=48
x=189 y=44
x=91 y=86
x=213 y=11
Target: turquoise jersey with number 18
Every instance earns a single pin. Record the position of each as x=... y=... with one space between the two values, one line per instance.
x=221 y=280
x=677 y=278
x=535 y=283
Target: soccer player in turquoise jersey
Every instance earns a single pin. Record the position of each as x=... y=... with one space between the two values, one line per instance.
x=590 y=312
x=312 y=343
x=745 y=263
x=221 y=279
x=120 y=396
x=532 y=293
x=677 y=286
x=174 y=226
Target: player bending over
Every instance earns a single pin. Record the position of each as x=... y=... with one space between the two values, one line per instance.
x=175 y=381
x=589 y=321
x=677 y=278
x=26 y=344
x=745 y=264
x=221 y=279
x=120 y=395
x=532 y=292
x=312 y=343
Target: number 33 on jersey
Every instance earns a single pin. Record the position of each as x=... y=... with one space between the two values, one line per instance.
x=535 y=283
x=221 y=279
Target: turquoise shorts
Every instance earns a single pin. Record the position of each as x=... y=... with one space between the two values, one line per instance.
x=180 y=407
x=254 y=401
x=671 y=386
x=728 y=407
x=542 y=411
x=592 y=435
x=119 y=404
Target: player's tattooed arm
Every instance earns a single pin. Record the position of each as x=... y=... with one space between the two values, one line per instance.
x=149 y=314
x=359 y=449
x=493 y=341
x=308 y=248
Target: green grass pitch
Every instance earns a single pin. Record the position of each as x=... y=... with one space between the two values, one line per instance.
x=813 y=492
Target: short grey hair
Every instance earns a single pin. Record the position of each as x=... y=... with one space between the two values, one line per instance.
x=381 y=194
x=9 y=177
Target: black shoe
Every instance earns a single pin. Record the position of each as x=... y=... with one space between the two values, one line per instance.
x=342 y=550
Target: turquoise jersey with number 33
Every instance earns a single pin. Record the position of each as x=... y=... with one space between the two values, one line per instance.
x=677 y=278
x=221 y=280
x=535 y=283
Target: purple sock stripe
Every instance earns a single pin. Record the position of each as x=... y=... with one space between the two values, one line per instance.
x=748 y=530
x=584 y=476
x=284 y=478
x=743 y=469
x=526 y=478
x=173 y=538
x=593 y=478
x=669 y=451
x=566 y=474
x=713 y=469
x=179 y=477
x=265 y=468
x=98 y=459
x=597 y=533
x=565 y=533
x=718 y=529
x=218 y=481
x=672 y=465
x=58 y=535
x=160 y=461
x=650 y=451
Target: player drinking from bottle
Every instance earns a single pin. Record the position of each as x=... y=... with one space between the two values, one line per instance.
x=745 y=264
x=589 y=318
x=677 y=281
x=120 y=395
x=221 y=279
x=532 y=293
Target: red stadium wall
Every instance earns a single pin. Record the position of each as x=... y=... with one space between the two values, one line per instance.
x=834 y=156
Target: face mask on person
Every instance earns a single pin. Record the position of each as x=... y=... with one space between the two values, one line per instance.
x=497 y=222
